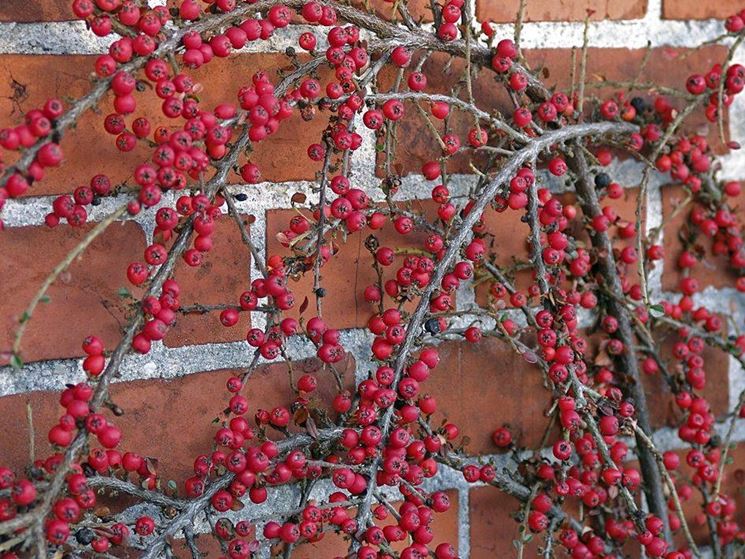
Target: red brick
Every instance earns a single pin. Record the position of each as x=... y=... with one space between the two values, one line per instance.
x=444 y=526
x=484 y=386
x=563 y=10
x=507 y=240
x=688 y=9
x=36 y=10
x=711 y=270
x=665 y=66
x=661 y=401
x=84 y=300
x=416 y=144
x=27 y=81
x=207 y=544
x=733 y=485
x=221 y=279
x=347 y=274
x=493 y=528
x=167 y=420
x=419 y=9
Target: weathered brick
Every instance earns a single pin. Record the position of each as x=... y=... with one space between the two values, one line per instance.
x=493 y=529
x=206 y=543
x=444 y=526
x=563 y=10
x=484 y=386
x=733 y=485
x=83 y=300
x=416 y=144
x=221 y=279
x=507 y=239
x=711 y=270
x=689 y=9
x=27 y=81
x=347 y=274
x=661 y=401
x=419 y=9
x=665 y=66
x=167 y=420
x=36 y=10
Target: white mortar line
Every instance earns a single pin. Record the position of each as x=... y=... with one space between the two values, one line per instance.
x=733 y=164
x=654 y=11
x=265 y=196
x=654 y=216
x=464 y=523
x=71 y=37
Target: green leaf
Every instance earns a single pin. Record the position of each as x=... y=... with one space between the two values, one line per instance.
x=172 y=485
x=124 y=293
x=16 y=361
x=44 y=299
x=24 y=317
x=659 y=309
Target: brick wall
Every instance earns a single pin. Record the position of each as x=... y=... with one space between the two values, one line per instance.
x=42 y=53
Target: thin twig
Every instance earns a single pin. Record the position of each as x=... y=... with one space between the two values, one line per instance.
x=670 y=487
x=58 y=269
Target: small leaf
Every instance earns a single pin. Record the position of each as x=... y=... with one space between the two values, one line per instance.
x=602 y=359
x=16 y=361
x=283 y=239
x=44 y=299
x=739 y=475
x=300 y=416
x=24 y=317
x=103 y=510
x=237 y=505
x=304 y=305
x=658 y=309
x=530 y=356
x=172 y=485
x=310 y=426
x=124 y=293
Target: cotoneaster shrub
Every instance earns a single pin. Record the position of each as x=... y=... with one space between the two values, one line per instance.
x=544 y=155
